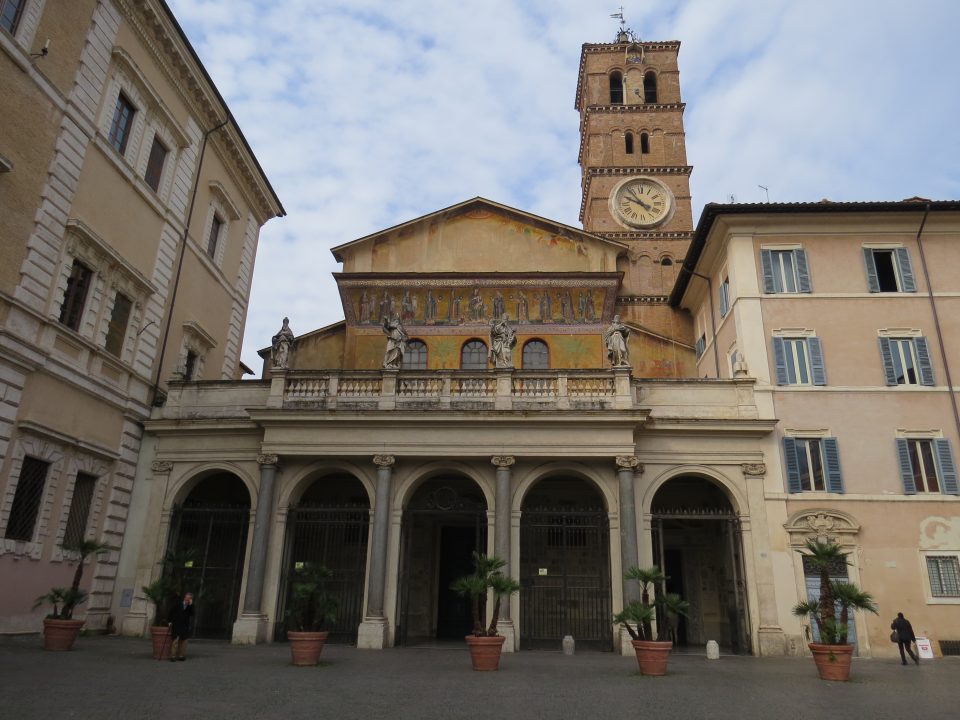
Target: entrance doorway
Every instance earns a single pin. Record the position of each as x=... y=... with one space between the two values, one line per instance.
x=444 y=523
x=209 y=532
x=696 y=540
x=564 y=566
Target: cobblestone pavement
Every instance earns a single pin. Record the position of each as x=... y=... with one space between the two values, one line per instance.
x=111 y=677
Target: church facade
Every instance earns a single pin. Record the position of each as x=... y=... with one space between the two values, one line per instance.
x=577 y=402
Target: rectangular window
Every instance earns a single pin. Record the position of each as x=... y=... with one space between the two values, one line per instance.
x=888 y=270
x=26 y=500
x=701 y=347
x=121 y=124
x=725 y=297
x=926 y=466
x=10 y=14
x=79 y=508
x=215 y=225
x=944 y=572
x=158 y=155
x=117 y=329
x=190 y=365
x=785 y=271
x=75 y=297
x=906 y=361
x=813 y=464
x=799 y=361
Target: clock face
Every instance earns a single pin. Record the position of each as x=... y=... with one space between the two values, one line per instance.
x=641 y=202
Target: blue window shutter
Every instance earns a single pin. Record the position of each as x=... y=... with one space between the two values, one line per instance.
x=906 y=468
x=793 y=468
x=923 y=359
x=873 y=284
x=723 y=301
x=887 y=356
x=766 y=259
x=908 y=284
x=803 y=272
x=945 y=467
x=780 y=360
x=816 y=361
x=832 y=456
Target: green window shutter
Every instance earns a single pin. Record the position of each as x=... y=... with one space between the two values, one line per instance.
x=887 y=357
x=793 y=468
x=907 y=283
x=803 y=271
x=945 y=467
x=780 y=360
x=831 y=454
x=817 y=370
x=873 y=283
x=906 y=468
x=766 y=260
x=923 y=360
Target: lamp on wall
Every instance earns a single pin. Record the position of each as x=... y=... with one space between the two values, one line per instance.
x=44 y=51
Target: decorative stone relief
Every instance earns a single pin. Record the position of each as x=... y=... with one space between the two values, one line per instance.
x=629 y=462
x=161 y=466
x=267 y=459
x=503 y=461
x=754 y=469
x=822 y=525
x=384 y=460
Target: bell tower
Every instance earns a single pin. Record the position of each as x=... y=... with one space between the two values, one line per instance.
x=634 y=173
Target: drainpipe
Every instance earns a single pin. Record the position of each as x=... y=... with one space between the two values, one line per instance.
x=936 y=320
x=713 y=322
x=168 y=320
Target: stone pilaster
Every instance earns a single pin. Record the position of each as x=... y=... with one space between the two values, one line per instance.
x=373 y=630
x=501 y=544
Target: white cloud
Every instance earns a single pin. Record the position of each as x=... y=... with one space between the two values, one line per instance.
x=366 y=114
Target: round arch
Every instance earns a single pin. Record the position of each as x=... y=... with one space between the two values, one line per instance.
x=181 y=488
x=291 y=491
x=568 y=469
x=417 y=476
x=734 y=495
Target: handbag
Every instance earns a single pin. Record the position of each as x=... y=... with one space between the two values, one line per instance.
x=894 y=636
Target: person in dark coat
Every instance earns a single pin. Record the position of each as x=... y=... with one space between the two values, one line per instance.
x=905 y=637
x=181 y=623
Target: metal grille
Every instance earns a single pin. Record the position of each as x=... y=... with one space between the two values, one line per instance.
x=79 y=508
x=26 y=499
x=337 y=538
x=950 y=647
x=216 y=540
x=565 y=578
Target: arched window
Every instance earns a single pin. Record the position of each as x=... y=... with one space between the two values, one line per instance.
x=628 y=143
x=536 y=355
x=644 y=143
x=616 y=88
x=666 y=262
x=650 y=87
x=473 y=355
x=416 y=356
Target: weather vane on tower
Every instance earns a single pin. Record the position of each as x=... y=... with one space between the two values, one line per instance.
x=626 y=35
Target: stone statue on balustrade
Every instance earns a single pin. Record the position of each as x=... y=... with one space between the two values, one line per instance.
x=396 y=343
x=281 y=346
x=503 y=339
x=615 y=338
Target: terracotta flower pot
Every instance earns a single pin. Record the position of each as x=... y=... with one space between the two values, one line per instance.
x=305 y=647
x=60 y=634
x=652 y=656
x=160 y=634
x=833 y=661
x=485 y=651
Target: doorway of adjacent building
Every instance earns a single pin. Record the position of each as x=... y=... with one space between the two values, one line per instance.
x=696 y=540
x=208 y=533
x=329 y=526
x=565 y=566
x=444 y=523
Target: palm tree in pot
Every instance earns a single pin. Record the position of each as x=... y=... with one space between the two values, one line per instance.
x=309 y=610
x=60 y=630
x=637 y=618
x=484 y=642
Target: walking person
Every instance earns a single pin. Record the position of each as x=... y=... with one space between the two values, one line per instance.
x=181 y=623
x=904 y=630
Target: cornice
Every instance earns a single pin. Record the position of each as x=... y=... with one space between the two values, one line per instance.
x=655 y=170
x=642 y=299
x=685 y=236
x=585 y=116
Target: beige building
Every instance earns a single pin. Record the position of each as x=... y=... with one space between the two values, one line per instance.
x=578 y=401
x=130 y=208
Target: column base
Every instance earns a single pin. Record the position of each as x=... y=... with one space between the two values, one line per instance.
x=134 y=625
x=372 y=634
x=772 y=641
x=505 y=628
x=250 y=629
x=626 y=646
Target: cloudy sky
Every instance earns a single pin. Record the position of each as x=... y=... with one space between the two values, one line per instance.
x=366 y=114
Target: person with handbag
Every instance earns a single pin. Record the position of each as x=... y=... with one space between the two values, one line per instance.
x=903 y=636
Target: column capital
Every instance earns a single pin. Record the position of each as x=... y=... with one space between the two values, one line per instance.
x=754 y=468
x=161 y=466
x=503 y=461
x=267 y=459
x=384 y=460
x=629 y=462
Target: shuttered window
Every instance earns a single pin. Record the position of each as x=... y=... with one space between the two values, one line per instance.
x=785 y=271
x=79 y=508
x=26 y=500
x=813 y=464
x=906 y=361
x=888 y=270
x=799 y=361
x=724 y=297
x=926 y=466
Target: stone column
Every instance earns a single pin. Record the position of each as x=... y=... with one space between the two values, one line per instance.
x=251 y=627
x=501 y=541
x=627 y=467
x=373 y=630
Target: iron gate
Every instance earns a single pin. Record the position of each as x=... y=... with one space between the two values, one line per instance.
x=214 y=541
x=335 y=537
x=565 y=578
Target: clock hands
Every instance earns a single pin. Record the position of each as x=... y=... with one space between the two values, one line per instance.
x=636 y=199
